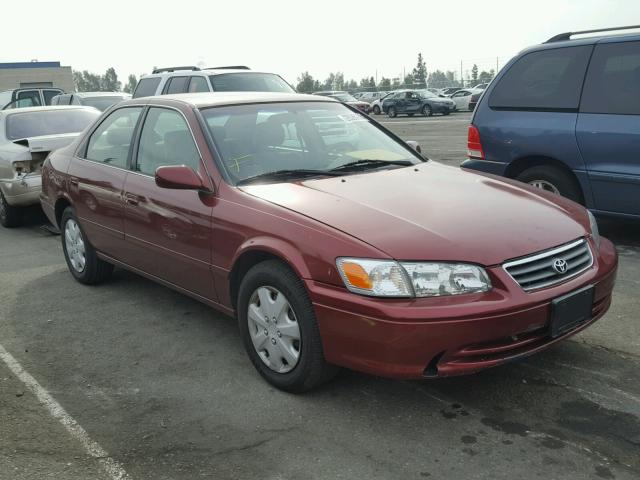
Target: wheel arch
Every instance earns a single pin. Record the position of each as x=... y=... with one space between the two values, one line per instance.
x=61 y=204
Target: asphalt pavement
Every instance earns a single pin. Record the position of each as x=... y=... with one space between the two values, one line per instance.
x=132 y=380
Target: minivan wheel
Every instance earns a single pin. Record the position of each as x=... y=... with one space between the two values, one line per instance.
x=376 y=110
x=9 y=216
x=426 y=111
x=279 y=329
x=81 y=257
x=392 y=112
x=553 y=180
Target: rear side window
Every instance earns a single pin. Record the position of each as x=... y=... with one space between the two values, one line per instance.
x=111 y=140
x=613 y=80
x=198 y=84
x=249 y=82
x=49 y=94
x=543 y=80
x=176 y=85
x=146 y=87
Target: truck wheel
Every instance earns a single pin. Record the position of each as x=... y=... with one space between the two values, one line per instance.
x=554 y=180
x=392 y=113
x=376 y=110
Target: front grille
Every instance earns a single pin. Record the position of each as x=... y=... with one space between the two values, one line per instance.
x=546 y=268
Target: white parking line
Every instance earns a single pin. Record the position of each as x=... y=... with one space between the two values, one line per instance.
x=113 y=469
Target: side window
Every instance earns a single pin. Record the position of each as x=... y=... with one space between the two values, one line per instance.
x=198 y=84
x=49 y=94
x=146 y=87
x=28 y=98
x=613 y=80
x=543 y=80
x=176 y=85
x=165 y=140
x=111 y=140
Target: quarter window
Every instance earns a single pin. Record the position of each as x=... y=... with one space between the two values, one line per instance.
x=543 y=80
x=111 y=141
x=613 y=80
x=198 y=84
x=165 y=140
x=176 y=85
x=146 y=87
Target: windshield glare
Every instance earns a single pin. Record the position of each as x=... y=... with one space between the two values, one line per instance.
x=49 y=122
x=261 y=138
x=249 y=82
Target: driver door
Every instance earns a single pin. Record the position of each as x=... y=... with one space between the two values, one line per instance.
x=413 y=102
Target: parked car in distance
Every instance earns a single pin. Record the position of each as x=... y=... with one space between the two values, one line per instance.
x=462 y=99
x=370 y=97
x=440 y=98
x=411 y=102
x=447 y=92
x=480 y=86
x=239 y=201
x=563 y=116
x=164 y=81
x=28 y=97
x=27 y=135
x=376 y=105
x=99 y=100
x=347 y=99
x=474 y=99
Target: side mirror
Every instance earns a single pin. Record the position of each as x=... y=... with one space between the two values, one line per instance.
x=415 y=145
x=179 y=177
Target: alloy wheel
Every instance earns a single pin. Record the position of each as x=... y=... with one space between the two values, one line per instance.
x=74 y=244
x=545 y=185
x=274 y=329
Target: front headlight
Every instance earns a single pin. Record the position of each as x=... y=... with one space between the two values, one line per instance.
x=595 y=233
x=387 y=278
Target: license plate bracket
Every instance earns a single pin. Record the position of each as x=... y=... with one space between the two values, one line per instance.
x=569 y=311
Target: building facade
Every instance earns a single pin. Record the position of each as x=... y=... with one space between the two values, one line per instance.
x=35 y=74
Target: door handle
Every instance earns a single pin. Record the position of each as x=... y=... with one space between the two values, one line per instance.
x=73 y=181
x=131 y=199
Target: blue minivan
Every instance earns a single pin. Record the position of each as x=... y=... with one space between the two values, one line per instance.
x=565 y=116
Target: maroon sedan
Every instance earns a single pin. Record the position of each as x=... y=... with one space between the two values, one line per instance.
x=333 y=242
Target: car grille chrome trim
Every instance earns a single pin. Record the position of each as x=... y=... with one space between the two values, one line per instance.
x=537 y=270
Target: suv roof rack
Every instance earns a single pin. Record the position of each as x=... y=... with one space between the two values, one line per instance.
x=567 y=35
x=173 y=69
x=232 y=67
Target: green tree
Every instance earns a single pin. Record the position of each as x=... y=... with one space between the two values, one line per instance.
x=335 y=81
x=351 y=85
x=364 y=82
x=385 y=84
x=395 y=83
x=474 y=73
x=78 y=81
x=306 y=83
x=409 y=81
x=132 y=81
x=420 y=72
x=438 y=79
x=486 y=77
x=109 y=81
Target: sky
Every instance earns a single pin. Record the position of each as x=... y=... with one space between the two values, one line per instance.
x=358 y=38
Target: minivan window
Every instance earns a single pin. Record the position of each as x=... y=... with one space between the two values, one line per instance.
x=48 y=122
x=613 y=80
x=249 y=82
x=146 y=87
x=111 y=140
x=176 y=85
x=198 y=84
x=543 y=80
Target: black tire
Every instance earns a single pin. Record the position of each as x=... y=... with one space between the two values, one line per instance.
x=391 y=112
x=95 y=270
x=564 y=183
x=376 y=110
x=410 y=114
x=311 y=369
x=427 y=111
x=9 y=216
x=446 y=112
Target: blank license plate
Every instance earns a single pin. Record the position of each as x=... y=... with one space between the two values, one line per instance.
x=569 y=311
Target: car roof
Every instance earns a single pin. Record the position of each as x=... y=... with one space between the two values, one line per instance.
x=202 y=73
x=101 y=94
x=46 y=108
x=574 y=42
x=210 y=99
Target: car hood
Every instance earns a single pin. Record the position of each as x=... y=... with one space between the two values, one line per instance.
x=434 y=212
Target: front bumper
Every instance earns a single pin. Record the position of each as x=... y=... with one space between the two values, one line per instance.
x=443 y=336
x=22 y=192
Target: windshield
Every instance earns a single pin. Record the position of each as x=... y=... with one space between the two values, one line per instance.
x=249 y=82
x=101 y=103
x=343 y=97
x=261 y=138
x=49 y=122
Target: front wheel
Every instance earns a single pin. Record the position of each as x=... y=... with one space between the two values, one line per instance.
x=81 y=257
x=376 y=110
x=9 y=216
x=392 y=113
x=279 y=329
x=553 y=180
x=427 y=111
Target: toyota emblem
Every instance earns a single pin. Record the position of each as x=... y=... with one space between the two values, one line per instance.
x=560 y=265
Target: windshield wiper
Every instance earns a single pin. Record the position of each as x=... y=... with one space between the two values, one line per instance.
x=363 y=164
x=283 y=174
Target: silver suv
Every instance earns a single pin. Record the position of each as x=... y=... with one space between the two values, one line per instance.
x=164 y=81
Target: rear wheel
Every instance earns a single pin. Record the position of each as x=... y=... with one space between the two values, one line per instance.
x=9 y=216
x=376 y=110
x=81 y=257
x=392 y=113
x=553 y=180
x=279 y=329
x=427 y=111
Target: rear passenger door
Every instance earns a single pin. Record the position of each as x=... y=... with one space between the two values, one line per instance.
x=167 y=231
x=608 y=127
